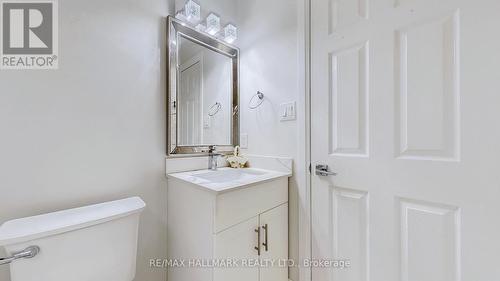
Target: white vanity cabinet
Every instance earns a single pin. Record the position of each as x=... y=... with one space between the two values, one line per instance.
x=244 y=225
x=240 y=242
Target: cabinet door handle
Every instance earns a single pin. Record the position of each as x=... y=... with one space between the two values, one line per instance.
x=258 y=241
x=266 y=244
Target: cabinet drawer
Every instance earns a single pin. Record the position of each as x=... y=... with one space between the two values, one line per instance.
x=237 y=206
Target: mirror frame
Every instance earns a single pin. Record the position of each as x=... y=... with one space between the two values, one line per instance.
x=176 y=29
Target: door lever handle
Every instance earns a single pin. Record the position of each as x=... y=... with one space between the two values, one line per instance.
x=323 y=171
x=27 y=253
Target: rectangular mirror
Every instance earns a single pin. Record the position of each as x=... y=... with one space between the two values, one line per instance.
x=203 y=98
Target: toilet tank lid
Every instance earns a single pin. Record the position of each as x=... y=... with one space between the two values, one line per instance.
x=31 y=228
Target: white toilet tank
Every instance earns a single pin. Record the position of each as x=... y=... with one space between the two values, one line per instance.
x=92 y=243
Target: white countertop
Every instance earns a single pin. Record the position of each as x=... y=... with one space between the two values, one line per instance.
x=228 y=179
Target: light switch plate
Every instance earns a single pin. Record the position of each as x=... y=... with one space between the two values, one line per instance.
x=244 y=141
x=288 y=111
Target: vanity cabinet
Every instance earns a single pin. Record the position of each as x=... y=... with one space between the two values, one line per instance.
x=246 y=225
x=276 y=223
x=261 y=239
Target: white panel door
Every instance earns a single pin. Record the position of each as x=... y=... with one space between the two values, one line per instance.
x=405 y=108
x=190 y=103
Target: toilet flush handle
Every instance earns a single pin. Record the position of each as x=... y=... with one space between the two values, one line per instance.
x=27 y=253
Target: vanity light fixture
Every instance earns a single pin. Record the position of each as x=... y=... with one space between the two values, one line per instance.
x=191 y=15
x=230 y=33
x=213 y=24
x=192 y=11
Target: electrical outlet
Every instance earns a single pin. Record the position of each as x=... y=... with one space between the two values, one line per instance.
x=288 y=111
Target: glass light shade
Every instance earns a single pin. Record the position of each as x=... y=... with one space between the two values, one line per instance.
x=230 y=33
x=201 y=27
x=192 y=11
x=213 y=24
x=180 y=15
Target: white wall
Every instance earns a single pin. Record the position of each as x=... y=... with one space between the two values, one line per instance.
x=94 y=130
x=269 y=42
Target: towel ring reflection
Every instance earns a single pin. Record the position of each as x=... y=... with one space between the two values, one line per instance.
x=254 y=103
x=214 y=109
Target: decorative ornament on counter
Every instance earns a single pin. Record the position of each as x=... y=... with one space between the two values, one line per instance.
x=236 y=160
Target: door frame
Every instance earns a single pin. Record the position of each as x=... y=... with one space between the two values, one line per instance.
x=304 y=137
x=198 y=58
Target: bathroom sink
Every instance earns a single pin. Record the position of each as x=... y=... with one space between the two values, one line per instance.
x=225 y=179
x=229 y=175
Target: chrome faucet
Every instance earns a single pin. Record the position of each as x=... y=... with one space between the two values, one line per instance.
x=213 y=157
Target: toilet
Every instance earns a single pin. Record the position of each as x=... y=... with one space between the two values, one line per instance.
x=92 y=243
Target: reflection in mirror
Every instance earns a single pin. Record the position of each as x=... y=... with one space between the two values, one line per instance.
x=204 y=99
